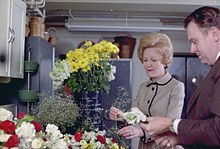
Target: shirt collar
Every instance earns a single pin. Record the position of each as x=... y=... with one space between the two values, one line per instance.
x=218 y=55
x=164 y=79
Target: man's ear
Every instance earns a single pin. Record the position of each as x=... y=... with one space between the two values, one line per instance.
x=215 y=32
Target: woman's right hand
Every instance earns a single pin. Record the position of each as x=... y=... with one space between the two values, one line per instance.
x=116 y=114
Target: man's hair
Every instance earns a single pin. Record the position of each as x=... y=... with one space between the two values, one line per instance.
x=204 y=17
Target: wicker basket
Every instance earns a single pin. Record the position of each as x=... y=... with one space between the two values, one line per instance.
x=37 y=27
x=53 y=35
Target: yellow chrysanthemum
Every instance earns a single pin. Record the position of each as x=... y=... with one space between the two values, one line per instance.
x=89 y=62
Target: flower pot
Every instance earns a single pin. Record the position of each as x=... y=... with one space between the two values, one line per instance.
x=27 y=95
x=30 y=66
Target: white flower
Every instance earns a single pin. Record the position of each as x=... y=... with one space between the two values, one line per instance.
x=99 y=144
x=26 y=131
x=113 y=69
x=61 y=144
x=37 y=143
x=4 y=137
x=5 y=114
x=53 y=132
x=111 y=73
x=61 y=71
x=134 y=116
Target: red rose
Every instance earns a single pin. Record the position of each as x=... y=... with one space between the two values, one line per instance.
x=37 y=126
x=20 y=115
x=78 y=136
x=101 y=139
x=70 y=147
x=13 y=141
x=114 y=140
x=8 y=126
x=68 y=90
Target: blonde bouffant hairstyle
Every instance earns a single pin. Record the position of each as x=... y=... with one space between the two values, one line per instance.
x=160 y=42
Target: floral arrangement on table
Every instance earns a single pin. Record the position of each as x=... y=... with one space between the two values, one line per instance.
x=91 y=140
x=87 y=68
x=25 y=132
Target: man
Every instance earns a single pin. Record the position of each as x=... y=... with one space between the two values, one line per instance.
x=201 y=128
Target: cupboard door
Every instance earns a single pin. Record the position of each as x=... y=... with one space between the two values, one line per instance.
x=5 y=37
x=12 y=36
x=17 y=44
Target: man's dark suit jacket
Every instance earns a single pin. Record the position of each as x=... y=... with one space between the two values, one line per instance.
x=201 y=128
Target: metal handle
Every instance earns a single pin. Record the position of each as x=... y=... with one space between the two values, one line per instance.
x=10 y=35
x=13 y=35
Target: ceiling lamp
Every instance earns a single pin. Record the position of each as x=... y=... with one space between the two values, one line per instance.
x=110 y=24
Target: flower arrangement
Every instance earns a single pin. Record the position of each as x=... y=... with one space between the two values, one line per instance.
x=86 y=68
x=25 y=132
x=91 y=140
x=59 y=109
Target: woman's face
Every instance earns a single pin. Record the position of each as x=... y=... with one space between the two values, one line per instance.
x=152 y=64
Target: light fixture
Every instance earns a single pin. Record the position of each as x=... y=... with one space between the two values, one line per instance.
x=118 y=24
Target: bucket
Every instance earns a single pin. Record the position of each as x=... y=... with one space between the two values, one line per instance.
x=27 y=95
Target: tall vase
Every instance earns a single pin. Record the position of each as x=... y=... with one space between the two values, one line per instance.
x=91 y=108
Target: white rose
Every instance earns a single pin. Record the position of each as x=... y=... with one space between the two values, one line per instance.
x=37 y=143
x=5 y=114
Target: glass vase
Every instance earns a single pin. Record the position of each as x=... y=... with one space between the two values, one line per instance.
x=91 y=108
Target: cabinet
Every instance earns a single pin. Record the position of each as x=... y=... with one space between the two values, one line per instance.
x=12 y=36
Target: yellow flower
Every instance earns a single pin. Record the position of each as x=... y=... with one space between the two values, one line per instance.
x=83 y=144
x=90 y=61
x=115 y=146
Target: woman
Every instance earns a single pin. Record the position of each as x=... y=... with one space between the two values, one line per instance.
x=162 y=95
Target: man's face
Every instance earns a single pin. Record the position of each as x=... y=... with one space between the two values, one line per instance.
x=202 y=43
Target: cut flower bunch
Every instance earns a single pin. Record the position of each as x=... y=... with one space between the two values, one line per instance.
x=91 y=140
x=25 y=132
x=87 y=68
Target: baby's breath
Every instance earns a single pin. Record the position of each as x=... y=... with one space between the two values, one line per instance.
x=59 y=109
x=122 y=101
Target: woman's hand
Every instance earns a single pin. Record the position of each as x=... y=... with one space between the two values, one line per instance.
x=116 y=114
x=156 y=125
x=130 y=132
x=166 y=140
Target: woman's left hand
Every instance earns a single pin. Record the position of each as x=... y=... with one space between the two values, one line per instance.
x=130 y=132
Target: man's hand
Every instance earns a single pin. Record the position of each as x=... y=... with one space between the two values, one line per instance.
x=156 y=125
